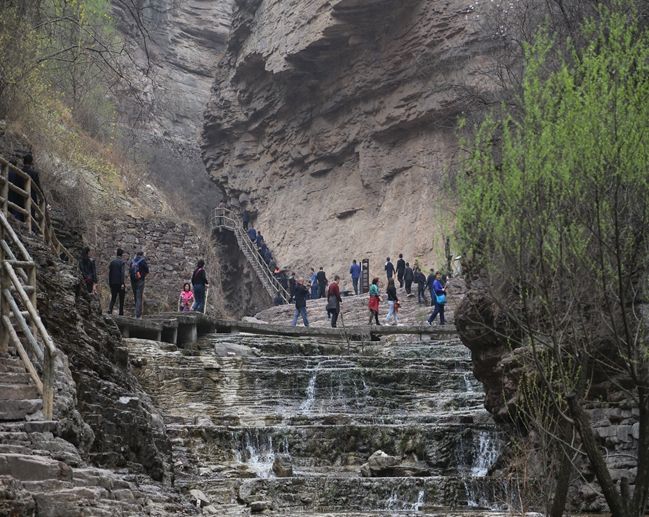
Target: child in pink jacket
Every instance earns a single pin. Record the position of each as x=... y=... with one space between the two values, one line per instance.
x=186 y=298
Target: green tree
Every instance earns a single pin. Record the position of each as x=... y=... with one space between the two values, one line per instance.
x=554 y=213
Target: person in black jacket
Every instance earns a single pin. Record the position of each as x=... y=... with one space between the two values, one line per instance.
x=88 y=271
x=408 y=277
x=420 y=280
x=393 y=301
x=117 y=281
x=389 y=268
x=138 y=270
x=401 y=269
x=199 y=285
x=291 y=287
x=301 y=296
x=322 y=282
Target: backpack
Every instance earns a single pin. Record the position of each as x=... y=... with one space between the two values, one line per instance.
x=135 y=272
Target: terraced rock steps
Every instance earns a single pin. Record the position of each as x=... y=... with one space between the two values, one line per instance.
x=19 y=398
x=293 y=426
x=44 y=475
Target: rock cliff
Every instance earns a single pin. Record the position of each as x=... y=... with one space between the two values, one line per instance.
x=176 y=47
x=336 y=121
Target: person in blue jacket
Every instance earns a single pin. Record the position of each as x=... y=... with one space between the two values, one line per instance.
x=439 y=299
x=355 y=271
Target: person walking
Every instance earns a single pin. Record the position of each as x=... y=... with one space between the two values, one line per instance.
x=322 y=282
x=420 y=280
x=355 y=271
x=334 y=300
x=199 y=285
x=439 y=300
x=117 y=281
x=291 y=287
x=186 y=298
x=375 y=300
x=313 y=280
x=408 y=277
x=245 y=219
x=429 y=282
x=138 y=271
x=88 y=271
x=252 y=234
x=301 y=295
x=389 y=268
x=391 y=291
x=401 y=269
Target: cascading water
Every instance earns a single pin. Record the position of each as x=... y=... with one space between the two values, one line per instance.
x=400 y=503
x=334 y=408
x=258 y=454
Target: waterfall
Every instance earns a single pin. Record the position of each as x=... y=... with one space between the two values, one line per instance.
x=475 y=458
x=488 y=450
x=395 y=503
x=308 y=403
x=258 y=454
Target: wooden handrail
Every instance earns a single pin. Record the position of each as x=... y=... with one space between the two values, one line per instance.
x=34 y=211
x=33 y=313
x=18 y=284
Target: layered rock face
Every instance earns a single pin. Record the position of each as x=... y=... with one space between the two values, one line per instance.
x=337 y=120
x=125 y=429
x=485 y=328
x=177 y=48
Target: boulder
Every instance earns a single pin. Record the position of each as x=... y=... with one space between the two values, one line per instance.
x=378 y=464
x=282 y=466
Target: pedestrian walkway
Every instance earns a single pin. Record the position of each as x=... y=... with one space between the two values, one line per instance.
x=225 y=219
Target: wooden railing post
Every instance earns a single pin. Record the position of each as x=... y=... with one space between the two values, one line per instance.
x=43 y=206
x=32 y=296
x=48 y=385
x=4 y=172
x=28 y=203
x=4 y=307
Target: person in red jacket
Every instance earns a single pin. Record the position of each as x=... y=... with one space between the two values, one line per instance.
x=333 y=300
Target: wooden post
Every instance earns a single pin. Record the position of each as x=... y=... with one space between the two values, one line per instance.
x=4 y=307
x=4 y=172
x=48 y=385
x=44 y=221
x=32 y=295
x=28 y=203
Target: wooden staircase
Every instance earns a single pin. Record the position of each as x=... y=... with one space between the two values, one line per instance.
x=224 y=219
x=27 y=352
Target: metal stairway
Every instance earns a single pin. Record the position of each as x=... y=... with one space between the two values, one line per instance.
x=224 y=219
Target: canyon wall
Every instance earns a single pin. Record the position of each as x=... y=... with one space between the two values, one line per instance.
x=176 y=47
x=335 y=123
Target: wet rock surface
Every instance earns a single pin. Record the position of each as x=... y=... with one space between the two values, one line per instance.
x=285 y=426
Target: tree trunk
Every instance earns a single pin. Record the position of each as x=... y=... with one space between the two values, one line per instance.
x=563 y=477
x=612 y=496
x=639 y=502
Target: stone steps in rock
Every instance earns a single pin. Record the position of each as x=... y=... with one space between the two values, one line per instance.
x=33 y=468
x=329 y=494
x=13 y=410
x=15 y=378
x=17 y=392
x=29 y=426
